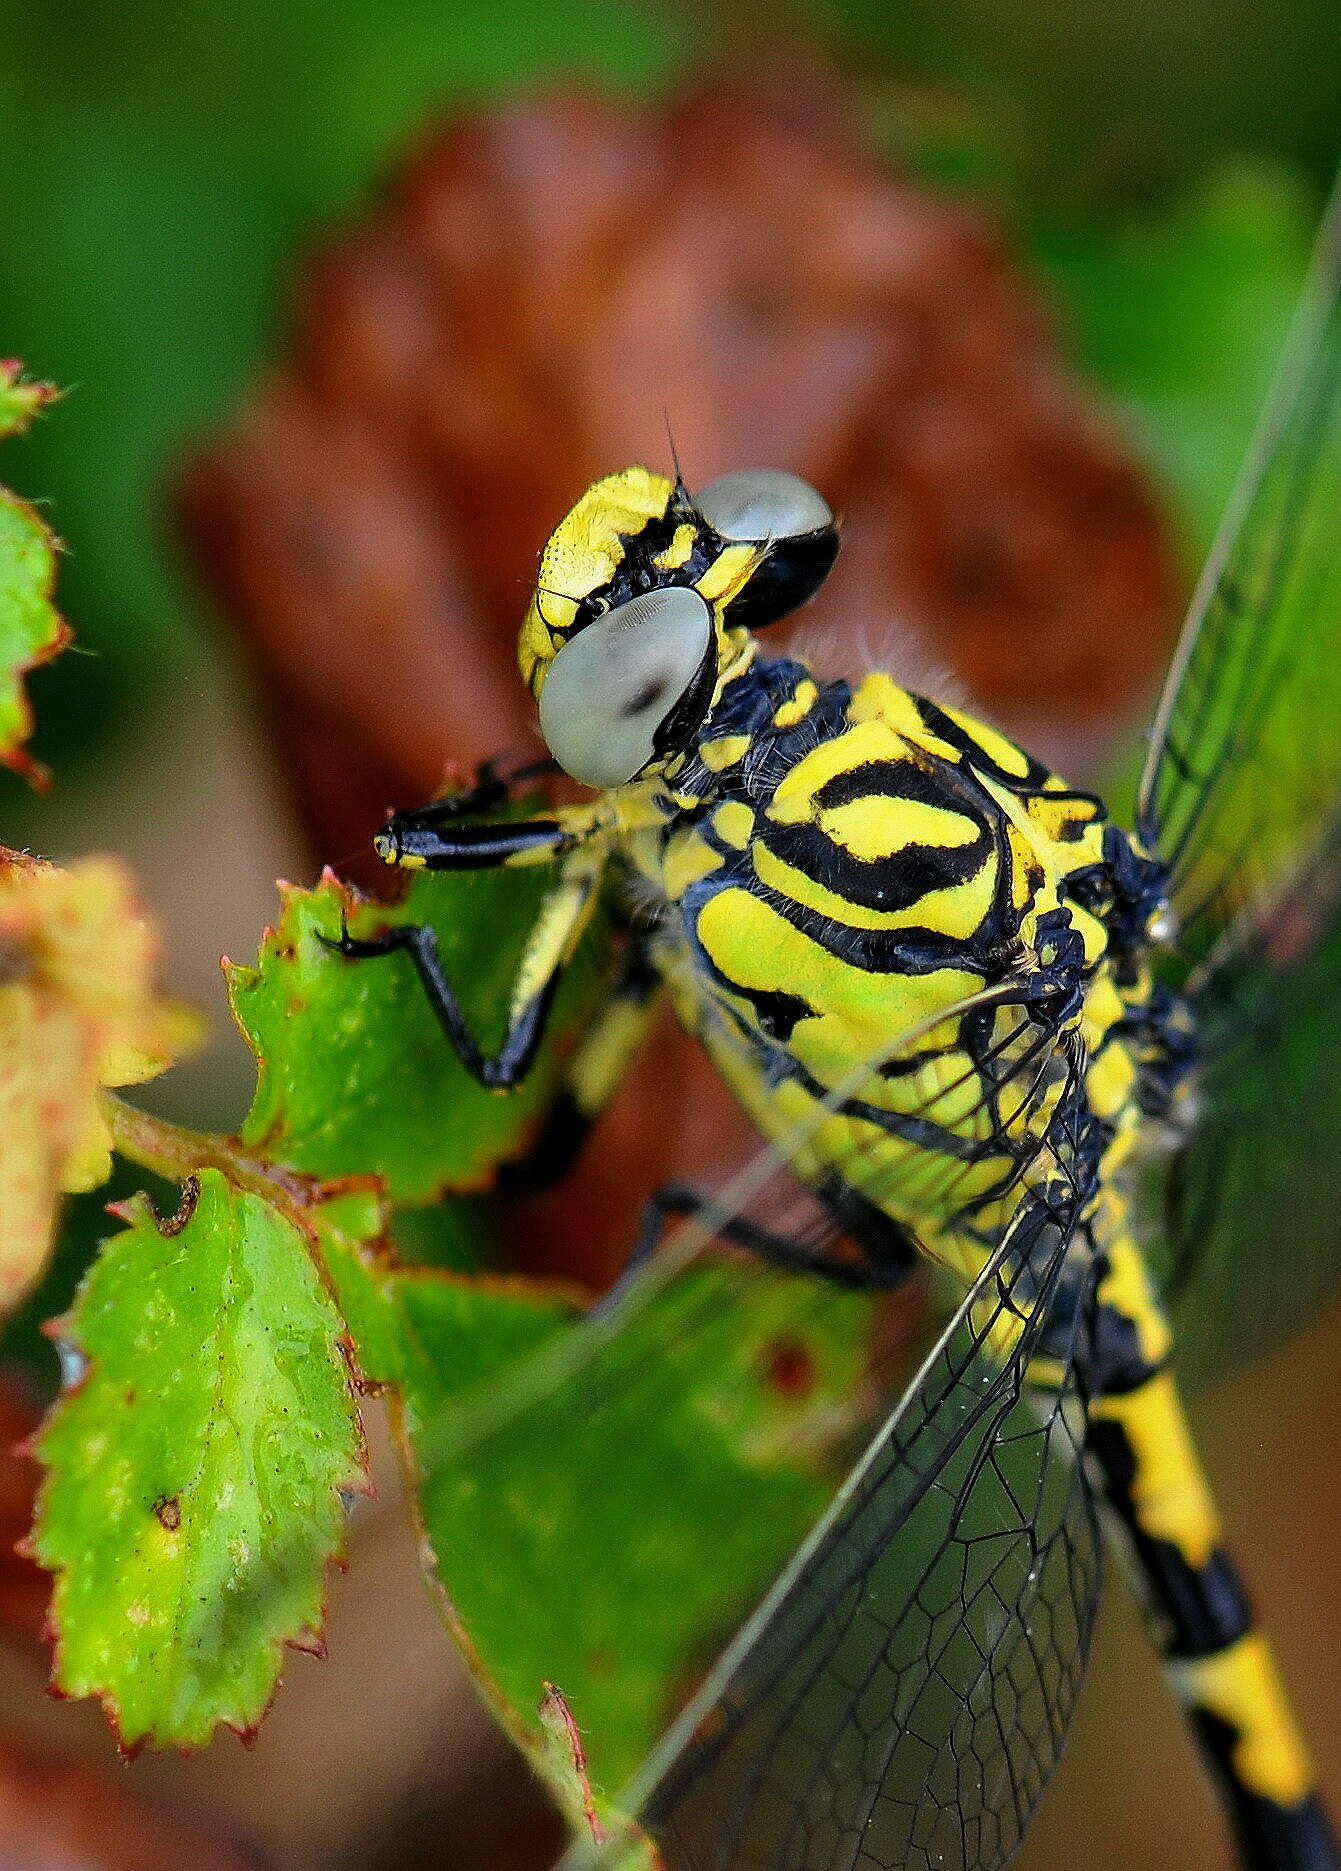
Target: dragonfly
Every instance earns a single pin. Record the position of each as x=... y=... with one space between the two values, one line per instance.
x=981 y=1021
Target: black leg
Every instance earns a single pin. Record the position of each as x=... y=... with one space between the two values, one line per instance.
x=439 y=841
x=498 y=1071
x=433 y=837
x=592 y=1075
x=493 y=786
x=779 y=1250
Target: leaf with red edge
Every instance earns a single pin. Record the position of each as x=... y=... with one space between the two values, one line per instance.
x=195 y=1470
x=31 y=631
x=607 y=1535
x=79 y=1010
x=589 y=1816
x=21 y=398
x=355 y=1075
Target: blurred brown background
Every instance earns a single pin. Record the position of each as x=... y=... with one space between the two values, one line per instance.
x=353 y=300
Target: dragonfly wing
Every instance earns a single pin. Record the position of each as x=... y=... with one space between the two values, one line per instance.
x=1244 y=772
x=1253 y=1209
x=969 y=1490
x=904 y=1693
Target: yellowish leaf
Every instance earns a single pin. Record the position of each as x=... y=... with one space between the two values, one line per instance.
x=78 y=1011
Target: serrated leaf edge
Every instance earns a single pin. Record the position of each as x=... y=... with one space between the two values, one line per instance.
x=308 y=1639
x=17 y=758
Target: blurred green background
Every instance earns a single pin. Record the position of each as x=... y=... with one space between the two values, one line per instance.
x=162 y=169
x=163 y=164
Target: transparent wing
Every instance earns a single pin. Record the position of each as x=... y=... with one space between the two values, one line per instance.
x=1244 y=771
x=1253 y=1199
x=904 y=1693
x=602 y=1390
x=992 y=1066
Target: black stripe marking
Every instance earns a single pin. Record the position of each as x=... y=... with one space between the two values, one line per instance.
x=1205 y=1608
x=1271 y=1837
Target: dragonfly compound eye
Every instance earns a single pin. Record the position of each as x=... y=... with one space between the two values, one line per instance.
x=762 y=503
x=613 y=689
x=780 y=511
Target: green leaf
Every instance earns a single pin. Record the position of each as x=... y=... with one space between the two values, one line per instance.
x=192 y=1499
x=355 y=1075
x=20 y=400
x=609 y=1538
x=31 y=631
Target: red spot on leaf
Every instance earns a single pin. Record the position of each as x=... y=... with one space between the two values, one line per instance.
x=168 y=1512
x=790 y=1367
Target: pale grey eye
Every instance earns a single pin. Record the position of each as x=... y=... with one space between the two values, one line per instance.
x=610 y=689
x=762 y=503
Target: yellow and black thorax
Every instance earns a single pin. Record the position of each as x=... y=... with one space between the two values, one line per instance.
x=836 y=865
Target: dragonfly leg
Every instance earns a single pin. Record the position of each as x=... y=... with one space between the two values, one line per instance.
x=554 y=936
x=496 y=782
x=676 y=1201
x=1216 y=1659
x=591 y=1076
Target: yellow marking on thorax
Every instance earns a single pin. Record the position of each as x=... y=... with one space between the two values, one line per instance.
x=880 y=825
x=793 y=803
x=1092 y=933
x=1240 y=1687
x=733 y=822
x=1003 y=753
x=1168 y=1491
x=1054 y=817
x=797 y=706
x=688 y=858
x=1039 y=820
x=757 y=948
x=678 y=551
x=879 y=698
x=724 y=752
x=957 y=911
x=929 y=1187
x=1031 y=844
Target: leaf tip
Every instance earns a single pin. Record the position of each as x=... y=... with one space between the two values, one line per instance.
x=310 y=1640
x=21 y=400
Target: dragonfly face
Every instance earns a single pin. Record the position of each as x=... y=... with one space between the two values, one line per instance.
x=643 y=594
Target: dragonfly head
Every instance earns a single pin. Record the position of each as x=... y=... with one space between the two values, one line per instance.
x=644 y=594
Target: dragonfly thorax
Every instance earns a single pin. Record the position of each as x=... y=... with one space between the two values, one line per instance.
x=839 y=864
